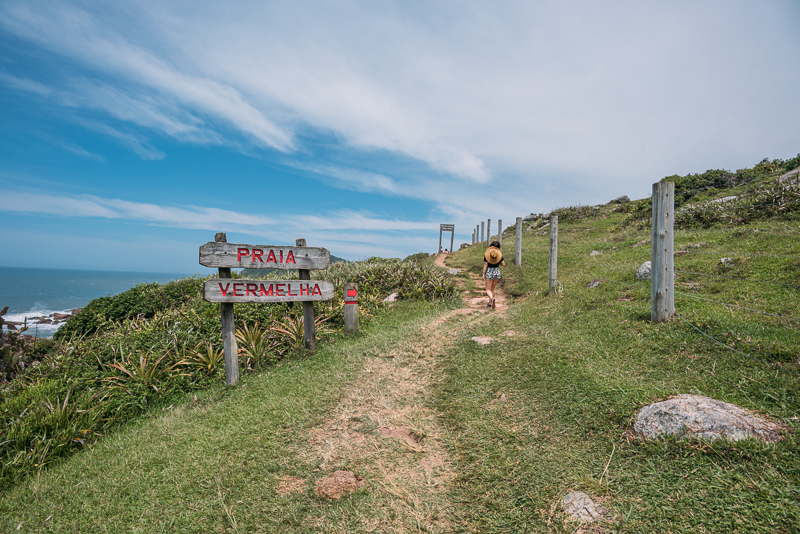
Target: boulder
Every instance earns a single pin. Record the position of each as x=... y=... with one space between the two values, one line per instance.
x=529 y=218
x=795 y=173
x=694 y=416
x=643 y=272
x=621 y=200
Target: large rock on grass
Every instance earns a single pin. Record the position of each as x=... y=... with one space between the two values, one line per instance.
x=643 y=272
x=693 y=416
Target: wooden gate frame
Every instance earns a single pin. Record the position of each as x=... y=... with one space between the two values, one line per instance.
x=447 y=228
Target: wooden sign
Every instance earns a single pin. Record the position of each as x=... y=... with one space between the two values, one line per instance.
x=232 y=290
x=231 y=255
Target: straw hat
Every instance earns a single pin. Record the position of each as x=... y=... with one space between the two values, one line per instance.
x=493 y=255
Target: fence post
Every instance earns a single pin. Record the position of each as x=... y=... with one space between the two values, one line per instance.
x=481 y=231
x=500 y=231
x=452 y=238
x=662 y=257
x=228 y=328
x=488 y=231
x=440 y=240
x=351 y=308
x=518 y=243
x=553 y=254
x=309 y=330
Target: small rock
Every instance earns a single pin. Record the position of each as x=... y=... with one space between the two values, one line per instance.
x=694 y=416
x=452 y=271
x=580 y=506
x=594 y=253
x=621 y=200
x=391 y=298
x=727 y=262
x=642 y=242
x=643 y=272
x=481 y=340
x=593 y=284
x=502 y=398
x=509 y=333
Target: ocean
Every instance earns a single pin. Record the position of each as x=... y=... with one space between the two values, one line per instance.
x=32 y=292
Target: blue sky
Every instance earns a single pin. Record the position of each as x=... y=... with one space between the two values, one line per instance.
x=131 y=132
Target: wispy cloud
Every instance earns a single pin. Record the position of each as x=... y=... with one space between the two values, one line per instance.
x=196 y=217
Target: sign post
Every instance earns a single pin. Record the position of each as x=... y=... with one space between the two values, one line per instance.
x=228 y=291
x=351 y=307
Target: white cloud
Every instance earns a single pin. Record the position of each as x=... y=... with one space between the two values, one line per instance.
x=554 y=103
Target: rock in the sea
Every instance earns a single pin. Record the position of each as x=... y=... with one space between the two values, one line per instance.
x=580 y=506
x=643 y=272
x=694 y=416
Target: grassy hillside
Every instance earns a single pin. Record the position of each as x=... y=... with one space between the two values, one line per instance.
x=520 y=421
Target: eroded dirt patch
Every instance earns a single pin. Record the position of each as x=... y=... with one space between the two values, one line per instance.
x=338 y=484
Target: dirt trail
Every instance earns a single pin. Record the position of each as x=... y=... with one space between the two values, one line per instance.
x=478 y=303
x=387 y=432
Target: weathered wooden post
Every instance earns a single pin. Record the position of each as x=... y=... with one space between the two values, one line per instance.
x=518 y=243
x=473 y=237
x=488 y=231
x=662 y=278
x=481 y=231
x=228 y=327
x=553 y=254
x=351 y=308
x=309 y=330
x=500 y=231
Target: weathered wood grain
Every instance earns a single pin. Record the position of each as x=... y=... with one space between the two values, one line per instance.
x=662 y=278
x=241 y=290
x=238 y=256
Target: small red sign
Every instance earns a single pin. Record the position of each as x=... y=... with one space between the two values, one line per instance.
x=351 y=296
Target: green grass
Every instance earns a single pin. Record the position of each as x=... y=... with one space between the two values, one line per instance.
x=585 y=361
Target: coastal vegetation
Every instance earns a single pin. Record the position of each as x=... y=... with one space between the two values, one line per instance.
x=522 y=420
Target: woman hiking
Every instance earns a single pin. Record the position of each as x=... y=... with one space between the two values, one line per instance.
x=492 y=261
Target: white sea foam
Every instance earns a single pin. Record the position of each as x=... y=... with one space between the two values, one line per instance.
x=30 y=317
